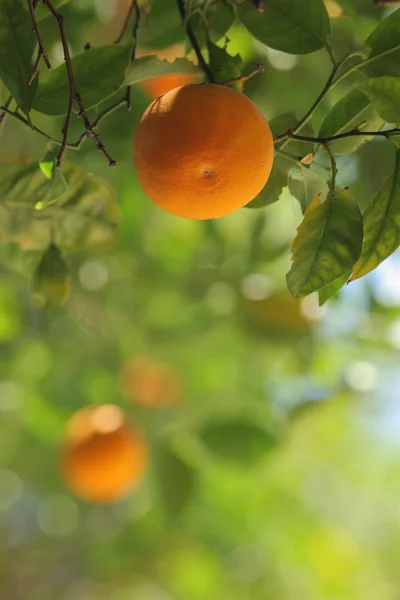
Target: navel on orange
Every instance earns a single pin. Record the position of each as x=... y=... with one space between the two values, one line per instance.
x=202 y=151
x=102 y=457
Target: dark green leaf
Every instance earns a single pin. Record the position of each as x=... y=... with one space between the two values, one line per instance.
x=224 y=66
x=51 y=278
x=220 y=16
x=175 y=479
x=42 y=11
x=384 y=42
x=276 y=182
x=84 y=214
x=17 y=43
x=305 y=184
x=165 y=29
x=99 y=73
x=330 y=290
x=351 y=111
x=327 y=244
x=237 y=441
x=148 y=67
x=384 y=93
x=296 y=27
x=381 y=225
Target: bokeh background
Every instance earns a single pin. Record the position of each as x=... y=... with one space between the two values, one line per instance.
x=316 y=513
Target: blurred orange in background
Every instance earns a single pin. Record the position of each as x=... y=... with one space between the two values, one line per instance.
x=103 y=458
x=151 y=383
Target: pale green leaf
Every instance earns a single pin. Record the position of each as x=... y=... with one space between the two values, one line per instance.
x=384 y=93
x=330 y=290
x=384 y=42
x=237 y=441
x=277 y=181
x=381 y=225
x=148 y=67
x=304 y=184
x=327 y=244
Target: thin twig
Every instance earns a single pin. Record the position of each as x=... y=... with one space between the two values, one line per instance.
x=334 y=170
x=4 y=110
x=135 y=35
x=73 y=95
x=290 y=135
x=189 y=31
x=258 y=69
x=126 y=22
x=41 y=50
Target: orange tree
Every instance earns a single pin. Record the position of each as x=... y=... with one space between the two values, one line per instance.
x=341 y=238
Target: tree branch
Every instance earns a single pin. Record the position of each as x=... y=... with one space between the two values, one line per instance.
x=74 y=96
x=4 y=110
x=258 y=69
x=41 y=51
x=126 y=22
x=290 y=135
x=189 y=31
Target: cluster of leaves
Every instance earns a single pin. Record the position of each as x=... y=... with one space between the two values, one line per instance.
x=334 y=242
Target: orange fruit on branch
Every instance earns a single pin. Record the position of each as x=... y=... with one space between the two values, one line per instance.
x=102 y=457
x=202 y=151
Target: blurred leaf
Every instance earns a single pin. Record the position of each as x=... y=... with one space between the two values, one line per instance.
x=17 y=43
x=330 y=290
x=294 y=27
x=42 y=11
x=237 y=441
x=287 y=121
x=175 y=479
x=351 y=110
x=381 y=225
x=99 y=73
x=327 y=244
x=224 y=66
x=84 y=214
x=220 y=16
x=148 y=67
x=304 y=184
x=334 y=10
x=384 y=42
x=276 y=182
x=384 y=93
x=51 y=278
x=163 y=26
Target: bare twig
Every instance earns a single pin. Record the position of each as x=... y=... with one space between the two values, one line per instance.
x=258 y=69
x=4 y=110
x=135 y=34
x=74 y=96
x=189 y=31
x=289 y=135
x=41 y=51
x=126 y=22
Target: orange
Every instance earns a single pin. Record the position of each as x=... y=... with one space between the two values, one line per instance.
x=202 y=151
x=102 y=457
x=157 y=86
x=151 y=383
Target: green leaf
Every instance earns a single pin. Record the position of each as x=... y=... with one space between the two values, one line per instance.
x=84 y=214
x=51 y=278
x=351 y=111
x=295 y=27
x=148 y=67
x=237 y=441
x=304 y=184
x=276 y=182
x=327 y=244
x=384 y=93
x=330 y=290
x=384 y=42
x=381 y=225
x=17 y=44
x=166 y=28
x=99 y=73
x=175 y=479
x=287 y=121
x=223 y=66
x=220 y=16
x=43 y=12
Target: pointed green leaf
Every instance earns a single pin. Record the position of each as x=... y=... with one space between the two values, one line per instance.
x=224 y=66
x=305 y=184
x=330 y=290
x=175 y=479
x=148 y=67
x=327 y=244
x=17 y=44
x=384 y=93
x=381 y=225
x=220 y=16
x=384 y=42
x=351 y=111
x=295 y=27
x=237 y=441
x=277 y=181
x=99 y=73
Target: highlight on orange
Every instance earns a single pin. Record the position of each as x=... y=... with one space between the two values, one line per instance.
x=202 y=151
x=156 y=86
x=102 y=457
x=151 y=383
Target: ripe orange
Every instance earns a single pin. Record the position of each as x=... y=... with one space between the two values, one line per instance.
x=157 y=86
x=202 y=151
x=102 y=457
x=151 y=383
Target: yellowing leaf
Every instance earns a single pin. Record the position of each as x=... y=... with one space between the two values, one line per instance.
x=334 y=10
x=327 y=244
x=381 y=225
